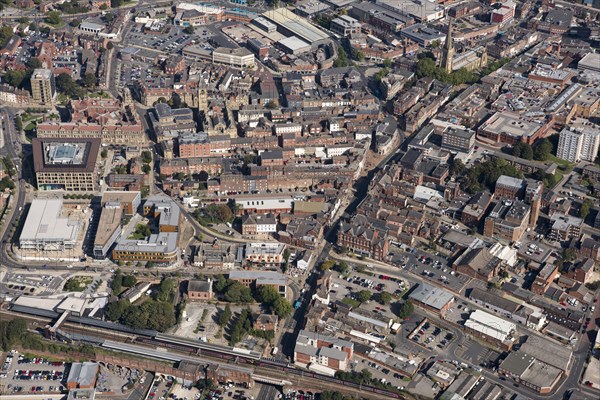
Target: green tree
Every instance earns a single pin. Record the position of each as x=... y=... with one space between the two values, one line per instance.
x=282 y=307
x=342 y=267
x=522 y=150
x=220 y=284
x=115 y=310
x=15 y=78
x=238 y=293
x=34 y=63
x=53 y=18
x=327 y=265
x=457 y=167
x=188 y=30
x=146 y=169
x=116 y=3
x=271 y=105
x=387 y=63
x=542 y=150
x=75 y=22
x=129 y=281
x=89 y=80
x=384 y=298
x=225 y=316
x=19 y=123
x=117 y=283
x=146 y=156
x=267 y=294
x=342 y=58
x=406 y=310
x=104 y=153
x=364 y=296
x=584 y=211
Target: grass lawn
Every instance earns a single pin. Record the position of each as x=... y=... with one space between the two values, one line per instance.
x=351 y=302
x=29 y=130
x=559 y=161
x=100 y=95
x=77 y=283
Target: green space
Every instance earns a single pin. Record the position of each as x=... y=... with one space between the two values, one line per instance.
x=156 y=313
x=99 y=95
x=142 y=231
x=77 y=283
x=560 y=161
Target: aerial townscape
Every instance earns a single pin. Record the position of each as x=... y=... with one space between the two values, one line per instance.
x=299 y=199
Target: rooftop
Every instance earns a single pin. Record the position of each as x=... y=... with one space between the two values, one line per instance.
x=431 y=296
x=261 y=277
x=45 y=222
x=66 y=155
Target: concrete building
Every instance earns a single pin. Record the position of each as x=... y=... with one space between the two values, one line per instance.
x=590 y=62
x=345 y=25
x=509 y=188
x=109 y=229
x=43 y=86
x=478 y=263
x=68 y=164
x=508 y=220
x=423 y=35
x=160 y=248
x=421 y=11
x=511 y=128
x=530 y=372
x=270 y=253
x=575 y=145
x=239 y=58
x=47 y=228
x=565 y=227
x=458 y=140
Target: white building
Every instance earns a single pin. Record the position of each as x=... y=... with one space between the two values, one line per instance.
x=578 y=144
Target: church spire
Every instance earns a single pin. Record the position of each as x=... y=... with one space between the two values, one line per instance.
x=448 y=51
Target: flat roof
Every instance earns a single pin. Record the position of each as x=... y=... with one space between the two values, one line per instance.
x=548 y=351
x=83 y=373
x=163 y=242
x=590 y=61
x=261 y=277
x=431 y=296
x=119 y=196
x=293 y=43
x=541 y=375
x=110 y=221
x=297 y=25
x=89 y=148
x=511 y=124
x=490 y=325
x=45 y=223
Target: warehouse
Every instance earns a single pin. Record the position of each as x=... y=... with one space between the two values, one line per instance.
x=491 y=329
x=291 y=24
x=293 y=45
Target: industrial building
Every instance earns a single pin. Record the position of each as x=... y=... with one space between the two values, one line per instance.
x=492 y=329
x=47 y=228
x=68 y=164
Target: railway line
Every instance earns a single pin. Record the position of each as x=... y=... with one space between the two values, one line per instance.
x=155 y=345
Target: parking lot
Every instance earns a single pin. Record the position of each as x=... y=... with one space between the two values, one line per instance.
x=429 y=335
x=33 y=284
x=160 y=388
x=35 y=375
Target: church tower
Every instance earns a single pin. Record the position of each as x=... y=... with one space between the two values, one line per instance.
x=448 y=50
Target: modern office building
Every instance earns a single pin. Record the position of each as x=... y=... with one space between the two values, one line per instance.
x=508 y=220
x=43 y=86
x=458 y=140
x=68 y=164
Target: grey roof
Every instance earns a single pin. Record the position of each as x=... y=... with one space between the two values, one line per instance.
x=548 y=351
x=83 y=373
x=261 y=277
x=495 y=300
x=45 y=223
x=509 y=181
x=196 y=285
x=517 y=362
x=431 y=296
x=164 y=242
x=169 y=210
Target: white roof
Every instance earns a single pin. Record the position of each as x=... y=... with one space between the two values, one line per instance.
x=44 y=222
x=490 y=325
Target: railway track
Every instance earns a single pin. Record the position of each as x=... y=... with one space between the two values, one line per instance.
x=204 y=353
